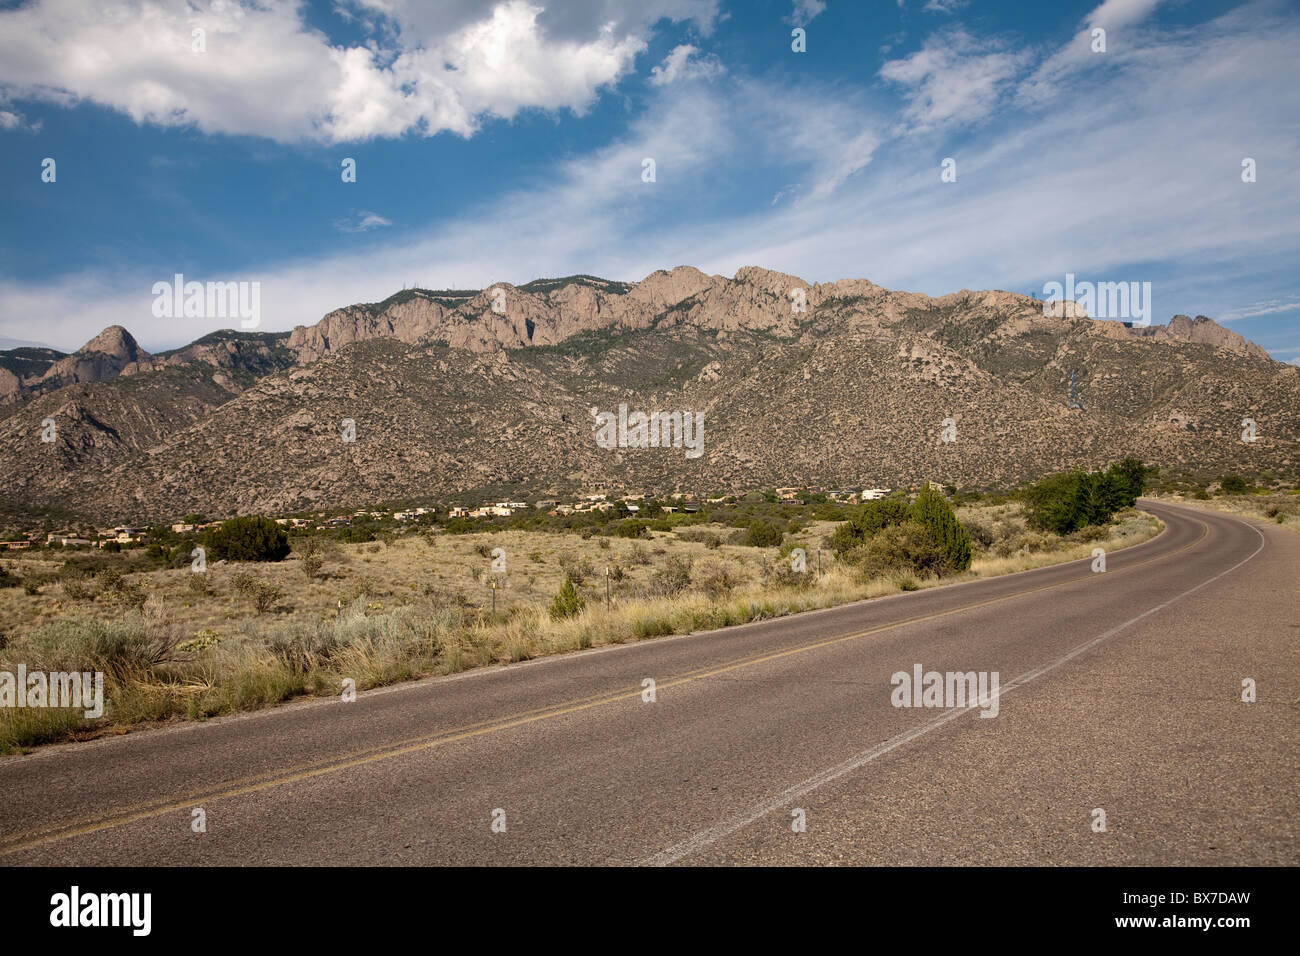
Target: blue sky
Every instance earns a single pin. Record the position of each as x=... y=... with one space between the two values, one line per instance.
x=505 y=142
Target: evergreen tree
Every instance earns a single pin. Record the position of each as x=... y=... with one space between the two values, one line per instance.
x=933 y=513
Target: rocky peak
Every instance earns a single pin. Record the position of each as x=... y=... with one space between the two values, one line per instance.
x=661 y=289
x=1205 y=331
x=114 y=341
x=103 y=357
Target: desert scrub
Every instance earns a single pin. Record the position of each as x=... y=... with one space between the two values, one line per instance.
x=262 y=594
x=717 y=578
x=220 y=668
x=577 y=569
x=131 y=648
x=673 y=577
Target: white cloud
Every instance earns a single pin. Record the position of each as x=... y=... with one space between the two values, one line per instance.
x=1084 y=187
x=11 y=119
x=427 y=68
x=952 y=80
x=945 y=6
x=805 y=11
x=1270 y=307
x=1118 y=18
x=362 y=222
x=683 y=64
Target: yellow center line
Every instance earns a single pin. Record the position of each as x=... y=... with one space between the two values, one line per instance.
x=109 y=819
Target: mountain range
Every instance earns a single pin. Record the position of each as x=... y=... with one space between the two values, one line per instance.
x=462 y=394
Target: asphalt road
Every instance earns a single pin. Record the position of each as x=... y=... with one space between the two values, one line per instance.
x=1120 y=691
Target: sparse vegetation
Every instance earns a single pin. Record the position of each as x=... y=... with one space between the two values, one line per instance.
x=418 y=610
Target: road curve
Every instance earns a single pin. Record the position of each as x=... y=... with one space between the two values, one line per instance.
x=1120 y=691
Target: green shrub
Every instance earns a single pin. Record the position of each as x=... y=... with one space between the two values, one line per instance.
x=933 y=513
x=868 y=519
x=763 y=534
x=1232 y=485
x=632 y=528
x=567 y=602
x=900 y=548
x=1130 y=477
x=1066 y=502
x=252 y=538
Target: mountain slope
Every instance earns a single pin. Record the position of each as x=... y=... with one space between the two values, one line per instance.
x=452 y=397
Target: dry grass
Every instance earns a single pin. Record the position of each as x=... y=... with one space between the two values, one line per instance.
x=418 y=608
x=1280 y=507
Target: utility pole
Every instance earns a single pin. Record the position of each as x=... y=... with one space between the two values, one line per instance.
x=607 y=587
x=1074 y=395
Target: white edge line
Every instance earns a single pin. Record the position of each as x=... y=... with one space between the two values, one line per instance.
x=708 y=837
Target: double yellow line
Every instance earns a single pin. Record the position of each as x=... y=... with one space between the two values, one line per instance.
x=121 y=816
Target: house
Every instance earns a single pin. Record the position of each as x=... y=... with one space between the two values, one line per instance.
x=873 y=494
x=67 y=540
x=181 y=527
x=458 y=513
x=17 y=545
